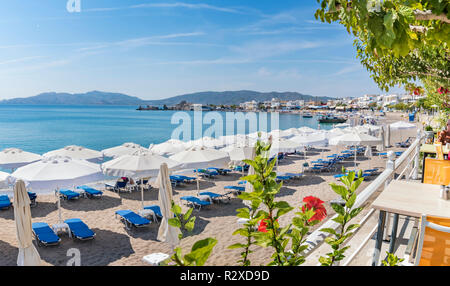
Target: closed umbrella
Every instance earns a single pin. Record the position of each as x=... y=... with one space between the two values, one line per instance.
x=140 y=164
x=58 y=172
x=251 y=171
x=125 y=149
x=28 y=255
x=166 y=232
x=77 y=152
x=13 y=158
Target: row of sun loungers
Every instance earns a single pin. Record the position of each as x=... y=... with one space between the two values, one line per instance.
x=46 y=236
x=82 y=191
x=5 y=202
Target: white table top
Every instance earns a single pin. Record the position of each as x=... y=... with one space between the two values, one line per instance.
x=412 y=199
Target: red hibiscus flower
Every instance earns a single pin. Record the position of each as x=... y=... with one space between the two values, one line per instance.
x=262 y=225
x=315 y=204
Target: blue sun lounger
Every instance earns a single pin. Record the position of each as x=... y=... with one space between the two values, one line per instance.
x=195 y=202
x=69 y=195
x=132 y=219
x=79 y=229
x=283 y=178
x=235 y=189
x=45 y=236
x=156 y=210
x=5 y=203
x=90 y=192
x=32 y=197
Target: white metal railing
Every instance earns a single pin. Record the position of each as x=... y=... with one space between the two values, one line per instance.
x=316 y=238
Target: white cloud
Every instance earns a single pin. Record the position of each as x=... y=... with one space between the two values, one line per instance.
x=191 y=6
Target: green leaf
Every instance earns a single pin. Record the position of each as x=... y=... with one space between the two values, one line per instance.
x=188 y=214
x=201 y=251
x=175 y=222
x=237 y=245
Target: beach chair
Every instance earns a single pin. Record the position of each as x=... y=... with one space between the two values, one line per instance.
x=433 y=247
x=404 y=144
x=216 y=197
x=206 y=173
x=68 y=194
x=235 y=190
x=32 y=197
x=79 y=229
x=5 y=202
x=195 y=202
x=283 y=178
x=293 y=175
x=44 y=235
x=120 y=186
x=221 y=171
x=156 y=210
x=176 y=180
x=144 y=183
x=90 y=192
x=132 y=219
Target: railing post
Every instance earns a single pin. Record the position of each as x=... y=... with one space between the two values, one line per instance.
x=390 y=164
x=416 y=158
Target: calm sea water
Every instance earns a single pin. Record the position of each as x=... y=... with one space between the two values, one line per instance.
x=40 y=129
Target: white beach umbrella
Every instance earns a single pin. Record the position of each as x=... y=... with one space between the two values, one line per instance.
x=307 y=130
x=342 y=125
x=139 y=164
x=166 y=232
x=238 y=154
x=201 y=157
x=356 y=139
x=4 y=180
x=208 y=142
x=124 y=149
x=401 y=126
x=285 y=146
x=28 y=255
x=313 y=139
x=318 y=139
x=77 y=152
x=13 y=158
x=169 y=147
x=58 y=172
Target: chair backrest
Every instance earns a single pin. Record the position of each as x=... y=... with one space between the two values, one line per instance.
x=434 y=242
x=121 y=184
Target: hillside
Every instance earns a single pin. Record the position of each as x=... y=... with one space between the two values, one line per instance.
x=89 y=98
x=233 y=97
x=108 y=98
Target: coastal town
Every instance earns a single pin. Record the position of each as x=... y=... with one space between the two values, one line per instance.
x=384 y=102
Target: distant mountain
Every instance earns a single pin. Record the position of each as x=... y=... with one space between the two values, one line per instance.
x=108 y=98
x=89 y=98
x=233 y=97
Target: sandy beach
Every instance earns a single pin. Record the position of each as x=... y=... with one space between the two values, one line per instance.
x=114 y=245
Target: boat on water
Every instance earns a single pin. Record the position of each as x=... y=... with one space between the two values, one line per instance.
x=307 y=115
x=331 y=119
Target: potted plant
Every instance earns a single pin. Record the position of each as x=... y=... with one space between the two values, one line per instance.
x=429 y=133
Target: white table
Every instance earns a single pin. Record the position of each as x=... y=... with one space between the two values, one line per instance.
x=409 y=199
x=61 y=227
x=156 y=259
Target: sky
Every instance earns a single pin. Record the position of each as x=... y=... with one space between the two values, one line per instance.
x=160 y=48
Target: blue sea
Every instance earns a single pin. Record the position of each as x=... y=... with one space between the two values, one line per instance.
x=40 y=129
